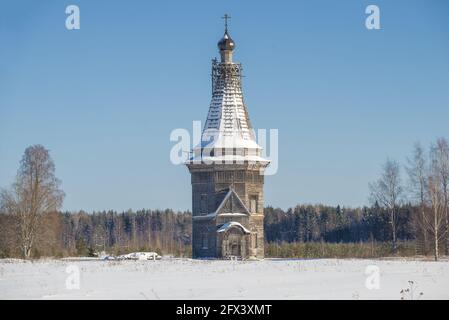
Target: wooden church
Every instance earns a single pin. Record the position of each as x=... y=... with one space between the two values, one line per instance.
x=227 y=171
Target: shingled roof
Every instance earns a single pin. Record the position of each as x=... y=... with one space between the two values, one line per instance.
x=228 y=126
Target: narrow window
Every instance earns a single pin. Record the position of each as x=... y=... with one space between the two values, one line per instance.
x=204 y=241
x=203 y=204
x=253 y=204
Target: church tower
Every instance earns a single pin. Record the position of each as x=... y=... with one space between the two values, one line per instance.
x=227 y=170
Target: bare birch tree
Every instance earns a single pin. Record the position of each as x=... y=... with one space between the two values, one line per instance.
x=435 y=222
x=387 y=192
x=34 y=193
x=440 y=162
x=418 y=178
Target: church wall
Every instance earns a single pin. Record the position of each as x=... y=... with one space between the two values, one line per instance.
x=246 y=183
x=243 y=220
x=202 y=184
x=202 y=248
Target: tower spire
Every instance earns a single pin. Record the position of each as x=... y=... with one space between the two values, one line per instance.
x=226 y=44
x=227 y=169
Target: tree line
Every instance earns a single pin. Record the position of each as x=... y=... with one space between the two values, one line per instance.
x=84 y=234
x=408 y=210
x=320 y=223
x=168 y=232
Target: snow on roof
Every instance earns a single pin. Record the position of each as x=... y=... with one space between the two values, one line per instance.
x=228 y=135
x=220 y=138
x=228 y=116
x=233 y=214
x=231 y=224
x=229 y=159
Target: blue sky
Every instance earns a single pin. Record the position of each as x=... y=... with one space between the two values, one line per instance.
x=105 y=98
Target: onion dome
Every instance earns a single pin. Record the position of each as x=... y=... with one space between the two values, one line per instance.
x=226 y=43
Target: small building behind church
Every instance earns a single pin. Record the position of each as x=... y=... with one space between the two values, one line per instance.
x=227 y=170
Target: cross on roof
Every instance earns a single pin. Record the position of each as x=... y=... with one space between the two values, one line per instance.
x=226 y=17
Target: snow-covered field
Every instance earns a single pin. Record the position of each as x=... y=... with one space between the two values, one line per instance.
x=192 y=279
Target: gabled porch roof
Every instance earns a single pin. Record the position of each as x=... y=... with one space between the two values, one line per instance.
x=229 y=194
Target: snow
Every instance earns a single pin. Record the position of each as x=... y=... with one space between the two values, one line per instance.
x=139 y=256
x=172 y=278
x=227 y=123
x=214 y=214
x=231 y=224
x=229 y=139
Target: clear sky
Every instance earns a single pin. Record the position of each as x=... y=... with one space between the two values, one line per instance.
x=104 y=99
